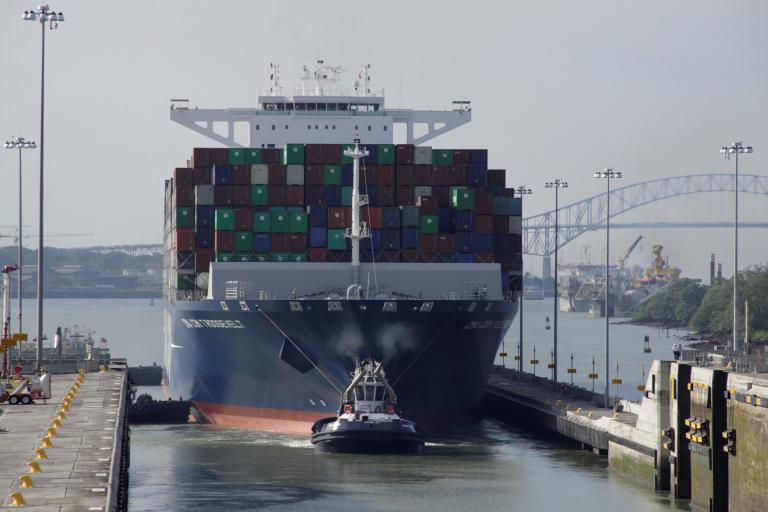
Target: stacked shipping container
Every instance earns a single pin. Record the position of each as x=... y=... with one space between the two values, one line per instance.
x=266 y=204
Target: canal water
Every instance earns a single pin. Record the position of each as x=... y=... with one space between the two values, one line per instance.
x=482 y=467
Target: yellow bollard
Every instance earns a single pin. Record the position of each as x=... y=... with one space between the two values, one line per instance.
x=40 y=454
x=61 y=416
x=17 y=500
x=65 y=408
x=578 y=411
x=26 y=482
x=34 y=467
x=589 y=414
x=51 y=432
x=47 y=443
x=56 y=424
x=103 y=369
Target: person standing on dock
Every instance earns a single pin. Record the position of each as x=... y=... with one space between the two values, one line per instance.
x=677 y=350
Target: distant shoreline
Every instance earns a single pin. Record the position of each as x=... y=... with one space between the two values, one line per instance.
x=98 y=294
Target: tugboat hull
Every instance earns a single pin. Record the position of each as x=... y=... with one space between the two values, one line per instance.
x=369 y=440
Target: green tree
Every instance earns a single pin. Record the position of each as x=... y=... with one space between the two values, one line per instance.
x=675 y=305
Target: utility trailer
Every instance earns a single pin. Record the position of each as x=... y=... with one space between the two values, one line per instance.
x=26 y=391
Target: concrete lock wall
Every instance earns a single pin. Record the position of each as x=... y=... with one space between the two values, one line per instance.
x=709 y=463
x=677 y=443
x=747 y=410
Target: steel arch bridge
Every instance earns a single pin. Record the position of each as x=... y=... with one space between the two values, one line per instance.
x=589 y=214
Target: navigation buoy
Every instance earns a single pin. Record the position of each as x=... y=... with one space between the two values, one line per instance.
x=646 y=345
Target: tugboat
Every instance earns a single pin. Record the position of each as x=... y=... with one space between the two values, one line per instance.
x=368 y=419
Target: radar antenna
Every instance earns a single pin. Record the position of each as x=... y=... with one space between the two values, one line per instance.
x=275 y=88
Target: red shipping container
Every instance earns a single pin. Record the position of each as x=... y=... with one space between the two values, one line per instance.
x=404 y=154
x=428 y=243
x=278 y=175
x=338 y=256
x=496 y=177
x=315 y=194
x=483 y=257
x=294 y=195
x=443 y=196
x=331 y=153
x=243 y=219
x=241 y=195
x=428 y=205
x=222 y=195
x=280 y=242
x=313 y=175
x=271 y=156
x=390 y=256
x=404 y=196
x=483 y=224
x=219 y=156
x=441 y=175
x=297 y=242
x=241 y=175
x=483 y=201
x=203 y=258
x=457 y=175
x=185 y=239
x=446 y=243
x=313 y=154
x=277 y=195
x=385 y=175
x=386 y=196
x=429 y=258
x=374 y=217
x=500 y=225
x=202 y=176
x=318 y=254
x=460 y=157
x=410 y=255
x=185 y=195
x=225 y=241
x=337 y=218
x=404 y=175
x=184 y=176
x=422 y=175
x=201 y=157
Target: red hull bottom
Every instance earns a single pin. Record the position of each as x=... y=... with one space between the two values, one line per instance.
x=255 y=418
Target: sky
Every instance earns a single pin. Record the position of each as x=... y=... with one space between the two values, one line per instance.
x=559 y=89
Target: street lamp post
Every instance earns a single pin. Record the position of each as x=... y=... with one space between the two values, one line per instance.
x=607 y=174
x=521 y=191
x=19 y=143
x=51 y=19
x=557 y=185
x=735 y=149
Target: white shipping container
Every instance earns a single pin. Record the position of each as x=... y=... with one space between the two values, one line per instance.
x=295 y=175
x=422 y=155
x=421 y=190
x=204 y=195
x=259 y=174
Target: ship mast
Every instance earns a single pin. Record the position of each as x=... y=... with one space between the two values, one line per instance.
x=358 y=230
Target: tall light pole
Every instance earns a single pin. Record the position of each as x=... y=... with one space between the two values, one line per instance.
x=557 y=185
x=51 y=19
x=607 y=174
x=19 y=143
x=521 y=191
x=735 y=149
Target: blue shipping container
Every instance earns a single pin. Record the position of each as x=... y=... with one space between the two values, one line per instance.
x=517 y=206
x=317 y=237
x=373 y=194
x=444 y=219
x=505 y=282
x=204 y=216
x=465 y=221
x=185 y=259
x=391 y=218
x=262 y=242
x=346 y=175
x=204 y=237
x=411 y=216
x=375 y=240
x=503 y=205
x=477 y=176
x=222 y=175
x=410 y=238
x=478 y=157
x=371 y=158
x=390 y=240
x=465 y=257
x=464 y=242
x=318 y=216
x=500 y=243
x=448 y=257
x=482 y=243
x=332 y=195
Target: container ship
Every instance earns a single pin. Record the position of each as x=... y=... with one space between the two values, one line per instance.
x=317 y=242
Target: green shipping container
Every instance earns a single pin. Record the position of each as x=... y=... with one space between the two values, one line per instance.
x=243 y=257
x=344 y=158
x=298 y=223
x=253 y=156
x=346 y=196
x=243 y=241
x=463 y=198
x=385 y=154
x=298 y=257
x=225 y=219
x=185 y=282
x=261 y=257
x=331 y=174
x=262 y=222
x=236 y=156
x=429 y=225
x=280 y=223
x=280 y=256
x=293 y=154
x=442 y=157
x=337 y=241
x=185 y=217
x=278 y=209
x=259 y=195
x=225 y=256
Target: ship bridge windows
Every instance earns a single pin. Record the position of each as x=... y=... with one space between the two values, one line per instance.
x=300 y=106
x=311 y=106
x=343 y=107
